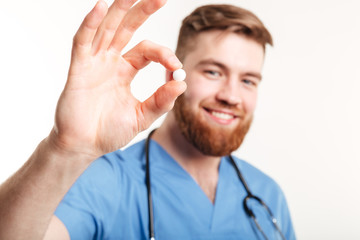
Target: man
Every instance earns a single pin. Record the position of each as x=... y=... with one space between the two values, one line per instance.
x=195 y=190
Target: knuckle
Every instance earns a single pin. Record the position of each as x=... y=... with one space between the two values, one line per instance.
x=152 y=6
x=146 y=43
x=158 y=3
x=124 y=4
x=75 y=41
x=165 y=53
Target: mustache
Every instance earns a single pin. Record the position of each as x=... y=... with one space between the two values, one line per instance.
x=235 y=109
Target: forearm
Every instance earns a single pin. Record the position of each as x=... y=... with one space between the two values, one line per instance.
x=96 y=114
x=29 y=198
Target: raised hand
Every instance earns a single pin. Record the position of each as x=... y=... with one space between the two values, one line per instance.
x=96 y=112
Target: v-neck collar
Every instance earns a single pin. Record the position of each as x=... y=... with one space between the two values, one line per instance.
x=168 y=169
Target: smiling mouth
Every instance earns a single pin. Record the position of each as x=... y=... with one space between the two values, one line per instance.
x=220 y=115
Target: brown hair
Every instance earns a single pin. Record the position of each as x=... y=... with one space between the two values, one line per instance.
x=220 y=17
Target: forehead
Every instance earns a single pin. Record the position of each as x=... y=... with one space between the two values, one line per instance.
x=231 y=49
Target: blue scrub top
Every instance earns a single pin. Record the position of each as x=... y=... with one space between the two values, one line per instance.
x=109 y=201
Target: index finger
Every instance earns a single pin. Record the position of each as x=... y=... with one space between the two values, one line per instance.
x=136 y=16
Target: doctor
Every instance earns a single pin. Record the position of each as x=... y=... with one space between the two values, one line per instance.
x=189 y=186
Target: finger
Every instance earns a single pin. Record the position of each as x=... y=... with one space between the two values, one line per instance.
x=107 y=29
x=146 y=52
x=160 y=102
x=132 y=21
x=84 y=37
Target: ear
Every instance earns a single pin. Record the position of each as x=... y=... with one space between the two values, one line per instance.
x=168 y=76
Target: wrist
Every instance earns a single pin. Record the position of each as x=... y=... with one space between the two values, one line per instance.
x=69 y=150
x=66 y=162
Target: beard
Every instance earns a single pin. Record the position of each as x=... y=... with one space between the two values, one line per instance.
x=210 y=140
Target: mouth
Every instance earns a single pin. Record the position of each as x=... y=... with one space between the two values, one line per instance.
x=223 y=117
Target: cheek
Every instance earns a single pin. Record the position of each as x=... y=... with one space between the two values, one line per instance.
x=198 y=89
x=249 y=103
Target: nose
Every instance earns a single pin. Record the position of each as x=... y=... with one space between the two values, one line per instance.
x=229 y=93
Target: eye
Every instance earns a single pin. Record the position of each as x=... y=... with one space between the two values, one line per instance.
x=249 y=82
x=212 y=73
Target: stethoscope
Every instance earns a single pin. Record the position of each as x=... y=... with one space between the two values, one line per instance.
x=248 y=197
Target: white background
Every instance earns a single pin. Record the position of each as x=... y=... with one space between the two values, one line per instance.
x=306 y=129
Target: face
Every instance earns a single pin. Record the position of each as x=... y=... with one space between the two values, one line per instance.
x=223 y=75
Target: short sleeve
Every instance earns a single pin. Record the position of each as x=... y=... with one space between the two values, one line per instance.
x=88 y=208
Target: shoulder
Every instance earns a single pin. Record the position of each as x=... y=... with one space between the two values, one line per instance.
x=101 y=192
x=106 y=179
x=260 y=182
x=114 y=167
x=252 y=172
x=129 y=161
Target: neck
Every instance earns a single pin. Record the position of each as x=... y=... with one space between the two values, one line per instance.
x=203 y=168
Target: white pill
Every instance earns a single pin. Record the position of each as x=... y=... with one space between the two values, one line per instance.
x=179 y=75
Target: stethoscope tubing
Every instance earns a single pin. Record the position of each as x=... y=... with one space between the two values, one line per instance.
x=248 y=211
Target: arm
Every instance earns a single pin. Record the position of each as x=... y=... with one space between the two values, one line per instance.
x=96 y=114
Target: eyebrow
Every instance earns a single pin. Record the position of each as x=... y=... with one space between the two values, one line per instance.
x=225 y=68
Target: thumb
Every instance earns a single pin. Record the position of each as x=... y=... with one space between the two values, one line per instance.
x=161 y=102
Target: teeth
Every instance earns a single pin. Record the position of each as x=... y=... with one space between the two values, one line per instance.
x=222 y=115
